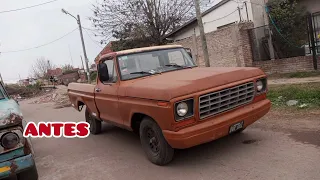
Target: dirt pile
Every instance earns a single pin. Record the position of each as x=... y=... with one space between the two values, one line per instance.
x=58 y=96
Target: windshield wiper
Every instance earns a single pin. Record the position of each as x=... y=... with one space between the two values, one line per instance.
x=142 y=72
x=178 y=66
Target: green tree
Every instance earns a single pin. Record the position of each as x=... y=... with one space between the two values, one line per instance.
x=290 y=19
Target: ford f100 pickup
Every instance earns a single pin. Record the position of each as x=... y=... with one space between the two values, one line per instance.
x=159 y=93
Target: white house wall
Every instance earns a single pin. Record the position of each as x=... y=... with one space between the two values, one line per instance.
x=211 y=20
x=257 y=10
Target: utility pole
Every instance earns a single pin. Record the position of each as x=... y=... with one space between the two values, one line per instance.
x=82 y=41
x=82 y=62
x=268 y=29
x=202 y=35
x=84 y=50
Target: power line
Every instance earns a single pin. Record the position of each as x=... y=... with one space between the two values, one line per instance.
x=13 y=51
x=221 y=17
x=92 y=39
x=13 y=10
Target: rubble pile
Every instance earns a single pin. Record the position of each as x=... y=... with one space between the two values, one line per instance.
x=58 y=96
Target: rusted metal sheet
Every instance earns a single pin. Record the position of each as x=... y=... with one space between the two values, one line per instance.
x=10 y=113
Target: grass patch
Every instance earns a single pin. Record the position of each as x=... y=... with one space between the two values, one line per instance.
x=308 y=94
x=295 y=75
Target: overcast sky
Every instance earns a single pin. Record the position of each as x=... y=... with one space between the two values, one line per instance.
x=40 y=25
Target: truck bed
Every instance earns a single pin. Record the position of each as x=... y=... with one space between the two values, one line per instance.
x=82 y=94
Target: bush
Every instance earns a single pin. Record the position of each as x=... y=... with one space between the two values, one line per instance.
x=23 y=91
x=93 y=76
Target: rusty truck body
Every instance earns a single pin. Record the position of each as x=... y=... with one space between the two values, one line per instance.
x=159 y=93
x=16 y=152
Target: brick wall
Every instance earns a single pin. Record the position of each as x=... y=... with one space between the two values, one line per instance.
x=295 y=64
x=68 y=78
x=228 y=47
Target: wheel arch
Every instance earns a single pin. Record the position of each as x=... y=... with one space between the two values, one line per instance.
x=80 y=105
x=136 y=119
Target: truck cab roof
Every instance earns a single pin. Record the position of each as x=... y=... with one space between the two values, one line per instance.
x=138 y=50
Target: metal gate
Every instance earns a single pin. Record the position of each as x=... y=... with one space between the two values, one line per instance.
x=314 y=36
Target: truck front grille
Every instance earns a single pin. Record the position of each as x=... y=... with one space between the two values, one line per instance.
x=225 y=100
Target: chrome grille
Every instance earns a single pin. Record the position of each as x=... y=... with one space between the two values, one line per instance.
x=226 y=99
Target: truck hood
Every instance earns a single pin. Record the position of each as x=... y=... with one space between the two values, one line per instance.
x=169 y=85
x=10 y=113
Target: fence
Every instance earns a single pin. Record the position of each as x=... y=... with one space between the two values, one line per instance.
x=283 y=44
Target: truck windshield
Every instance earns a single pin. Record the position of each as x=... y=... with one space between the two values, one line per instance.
x=153 y=62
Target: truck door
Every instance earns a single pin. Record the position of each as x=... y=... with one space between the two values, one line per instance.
x=106 y=95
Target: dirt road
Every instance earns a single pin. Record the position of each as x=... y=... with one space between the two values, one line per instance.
x=263 y=151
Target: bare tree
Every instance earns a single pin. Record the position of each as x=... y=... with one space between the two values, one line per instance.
x=41 y=66
x=67 y=67
x=148 y=20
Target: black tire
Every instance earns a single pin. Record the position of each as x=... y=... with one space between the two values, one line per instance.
x=29 y=174
x=239 y=131
x=154 y=144
x=95 y=125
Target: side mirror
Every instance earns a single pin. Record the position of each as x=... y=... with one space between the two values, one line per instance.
x=103 y=72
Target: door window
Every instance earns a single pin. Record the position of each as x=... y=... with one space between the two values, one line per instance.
x=112 y=71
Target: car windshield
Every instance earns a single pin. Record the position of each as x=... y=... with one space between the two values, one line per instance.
x=1 y=93
x=153 y=62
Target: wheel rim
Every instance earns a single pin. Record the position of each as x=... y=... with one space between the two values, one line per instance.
x=152 y=140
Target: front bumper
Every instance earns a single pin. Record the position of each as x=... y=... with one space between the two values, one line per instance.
x=15 y=166
x=216 y=127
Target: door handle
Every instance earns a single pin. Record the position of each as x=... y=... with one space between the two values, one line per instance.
x=98 y=90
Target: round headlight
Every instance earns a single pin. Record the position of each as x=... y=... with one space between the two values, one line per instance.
x=182 y=109
x=259 y=85
x=9 y=140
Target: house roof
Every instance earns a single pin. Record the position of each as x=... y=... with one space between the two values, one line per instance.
x=195 y=18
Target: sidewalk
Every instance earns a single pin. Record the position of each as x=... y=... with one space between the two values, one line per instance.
x=293 y=80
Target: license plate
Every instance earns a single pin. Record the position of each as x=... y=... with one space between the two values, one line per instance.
x=4 y=169
x=236 y=127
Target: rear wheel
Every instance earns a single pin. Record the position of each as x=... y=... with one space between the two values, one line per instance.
x=157 y=149
x=95 y=125
x=239 y=131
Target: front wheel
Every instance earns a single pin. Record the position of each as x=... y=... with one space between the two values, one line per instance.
x=95 y=125
x=157 y=149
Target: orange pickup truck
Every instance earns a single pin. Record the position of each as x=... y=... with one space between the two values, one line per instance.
x=159 y=93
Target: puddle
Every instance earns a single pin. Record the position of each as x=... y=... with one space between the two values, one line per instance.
x=251 y=141
x=306 y=137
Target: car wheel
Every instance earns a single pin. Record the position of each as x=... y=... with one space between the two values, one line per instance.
x=157 y=149
x=30 y=174
x=95 y=125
